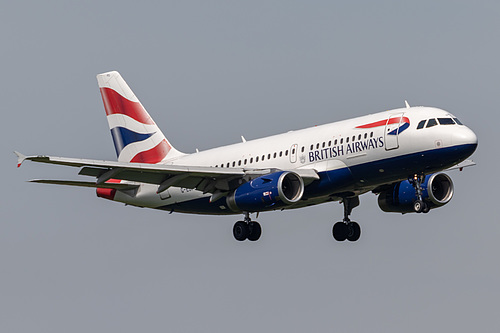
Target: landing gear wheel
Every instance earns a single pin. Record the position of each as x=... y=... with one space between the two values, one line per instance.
x=427 y=208
x=339 y=231
x=353 y=231
x=255 y=231
x=241 y=230
x=418 y=206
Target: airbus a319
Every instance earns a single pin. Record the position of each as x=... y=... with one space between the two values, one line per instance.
x=399 y=155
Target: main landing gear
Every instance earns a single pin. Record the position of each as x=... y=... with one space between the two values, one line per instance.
x=347 y=229
x=247 y=229
x=419 y=205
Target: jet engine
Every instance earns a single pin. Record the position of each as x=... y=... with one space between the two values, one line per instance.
x=271 y=191
x=437 y=190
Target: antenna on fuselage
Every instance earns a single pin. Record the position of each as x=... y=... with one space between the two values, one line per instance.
x=407 y=105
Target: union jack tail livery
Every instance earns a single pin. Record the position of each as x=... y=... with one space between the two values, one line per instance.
x=136 y=137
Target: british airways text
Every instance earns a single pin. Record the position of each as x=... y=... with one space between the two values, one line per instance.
x=348 y=148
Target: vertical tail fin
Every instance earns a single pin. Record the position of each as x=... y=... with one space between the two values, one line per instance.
x=135 y=134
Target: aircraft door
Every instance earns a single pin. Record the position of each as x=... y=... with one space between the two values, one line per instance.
x=293 y=153
x=392 y=131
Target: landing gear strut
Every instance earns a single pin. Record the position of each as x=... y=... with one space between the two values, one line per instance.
x=247 y=229
x=419 y=206
x=347 y=229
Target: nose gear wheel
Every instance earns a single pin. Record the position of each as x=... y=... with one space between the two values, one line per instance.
x=419 y=205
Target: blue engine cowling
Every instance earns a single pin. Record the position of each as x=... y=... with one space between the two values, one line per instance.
x=267 y=192
x=437 y=190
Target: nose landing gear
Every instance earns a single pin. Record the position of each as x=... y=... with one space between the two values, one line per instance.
x=419 y=205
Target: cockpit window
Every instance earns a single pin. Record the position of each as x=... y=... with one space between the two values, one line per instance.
x=446 y=121
x=421 y=124
x=431 y=122
x=457 y=121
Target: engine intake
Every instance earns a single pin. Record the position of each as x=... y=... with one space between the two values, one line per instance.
x=267 y=192
x=437 y=190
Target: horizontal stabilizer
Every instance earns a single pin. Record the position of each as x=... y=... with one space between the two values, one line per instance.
x=115 y=186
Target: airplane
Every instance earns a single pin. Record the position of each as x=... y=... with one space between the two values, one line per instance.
x=399 y=155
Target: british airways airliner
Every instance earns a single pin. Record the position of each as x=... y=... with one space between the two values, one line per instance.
x=399 y=155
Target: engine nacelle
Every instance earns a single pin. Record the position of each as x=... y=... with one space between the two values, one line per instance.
x=271 y=191
x=437 y=190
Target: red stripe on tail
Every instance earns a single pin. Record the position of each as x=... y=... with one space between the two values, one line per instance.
x=154 y=155
x=114 y=103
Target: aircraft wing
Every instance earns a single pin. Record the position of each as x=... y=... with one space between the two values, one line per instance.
x=461 y=165
x=115 y=186
x=206 y=179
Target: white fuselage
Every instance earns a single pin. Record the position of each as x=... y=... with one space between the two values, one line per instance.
x=363 y=147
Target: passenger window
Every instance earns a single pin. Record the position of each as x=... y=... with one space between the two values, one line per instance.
x=234 y=164
x=347 y=139
x=302 y=149
x=268 y=156
x=324 y=144
x=446 y=121
x=274 y=156
x=366 y=135
x=312 y=147
x=329 y=143
x=281 y=153
x=421 y=124
x=335 y=143
x=256 y=159
x=353 y=138
x=251 y=160
x=359 y=137
x=432 y=122
x=245 y=163
x=317 y=146
x=342 y=141
x=286 y=152
x=239 y=162
x=371 y=135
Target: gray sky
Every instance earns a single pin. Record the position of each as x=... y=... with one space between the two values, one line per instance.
x=209 y=72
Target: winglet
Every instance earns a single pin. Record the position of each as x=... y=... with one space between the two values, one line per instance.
x=20 y=158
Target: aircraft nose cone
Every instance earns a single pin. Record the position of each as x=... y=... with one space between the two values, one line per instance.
x=465 y=137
